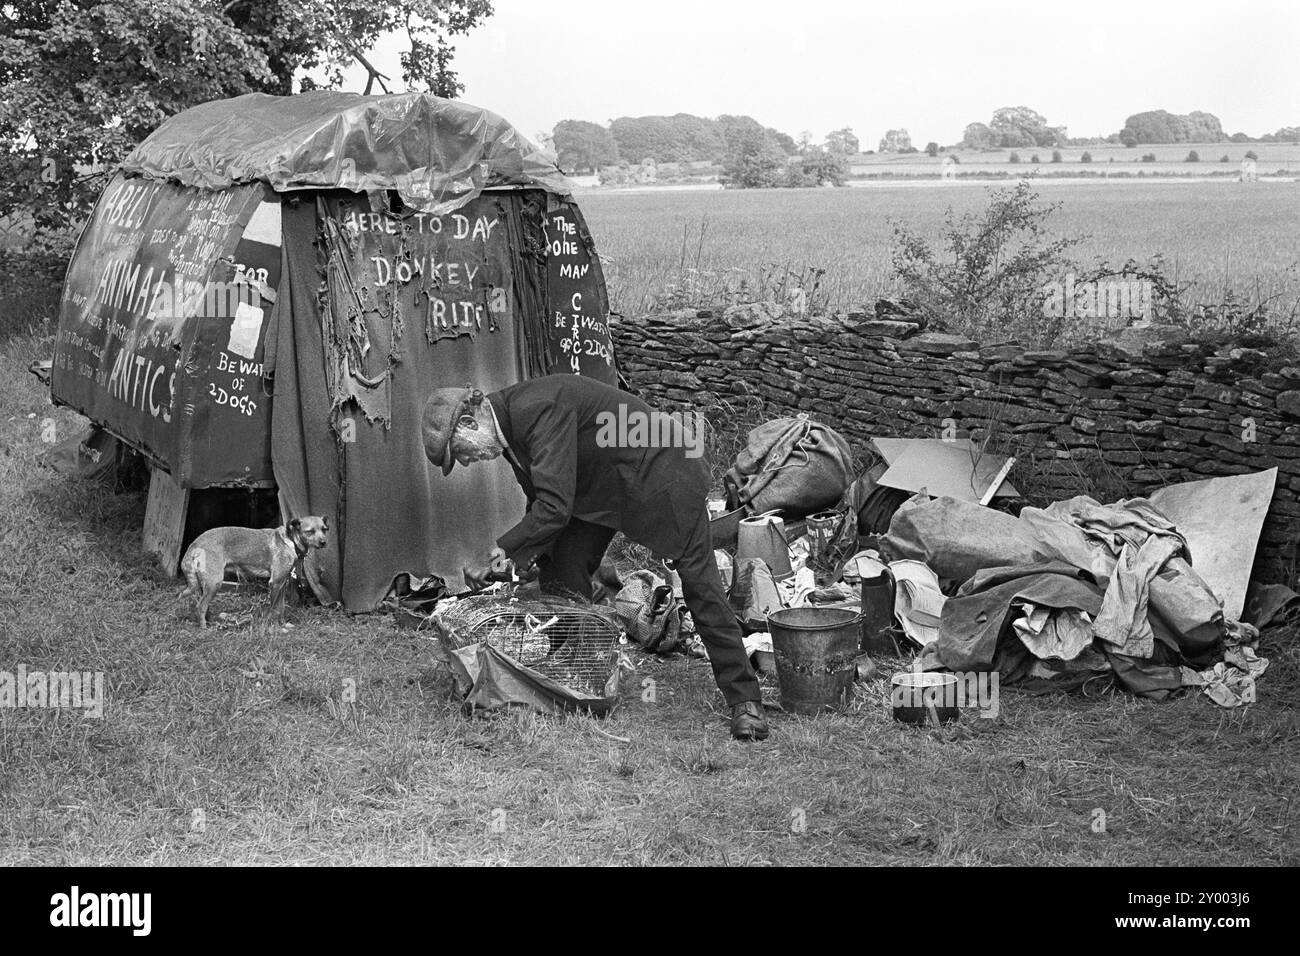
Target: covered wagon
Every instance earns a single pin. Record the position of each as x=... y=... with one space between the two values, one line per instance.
x=269 y=288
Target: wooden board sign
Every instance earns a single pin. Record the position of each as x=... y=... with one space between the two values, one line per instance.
x=164 y=519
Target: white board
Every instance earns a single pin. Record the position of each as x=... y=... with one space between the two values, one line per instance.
x=1221 y=518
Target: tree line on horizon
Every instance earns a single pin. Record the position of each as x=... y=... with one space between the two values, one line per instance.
x=741 y=141
x=751 y=154
x=1013 y=127
x=682 y=138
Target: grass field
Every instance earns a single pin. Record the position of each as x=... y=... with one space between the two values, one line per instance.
x=1215 y=235
x=237 y=745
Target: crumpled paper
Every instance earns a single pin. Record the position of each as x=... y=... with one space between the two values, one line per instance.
x=1231 y=682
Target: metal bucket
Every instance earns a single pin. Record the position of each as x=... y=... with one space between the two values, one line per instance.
x=816 y=650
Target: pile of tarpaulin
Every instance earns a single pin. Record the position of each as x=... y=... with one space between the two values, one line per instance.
x=1060 y=595
x=1153 y=593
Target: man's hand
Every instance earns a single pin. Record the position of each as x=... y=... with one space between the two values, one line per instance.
x=496 y=564
x=476 y=579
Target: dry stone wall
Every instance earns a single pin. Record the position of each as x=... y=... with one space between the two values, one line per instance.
x=1117 y=419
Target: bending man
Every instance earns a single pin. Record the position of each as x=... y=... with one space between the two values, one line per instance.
x=582 y=487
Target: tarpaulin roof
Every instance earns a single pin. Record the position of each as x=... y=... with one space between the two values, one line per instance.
x=438 y=154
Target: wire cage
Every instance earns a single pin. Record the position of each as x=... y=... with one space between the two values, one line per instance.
x=570 y=642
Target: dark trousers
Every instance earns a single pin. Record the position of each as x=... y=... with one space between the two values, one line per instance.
x=576 y=556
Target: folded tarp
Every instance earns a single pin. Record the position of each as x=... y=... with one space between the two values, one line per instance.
x=983 y=608
x=958 y=539
x=976 y=632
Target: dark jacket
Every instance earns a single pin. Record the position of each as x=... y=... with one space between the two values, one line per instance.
x=559 y=430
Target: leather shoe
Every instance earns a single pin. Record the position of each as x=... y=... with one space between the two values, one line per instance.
x=748 y=721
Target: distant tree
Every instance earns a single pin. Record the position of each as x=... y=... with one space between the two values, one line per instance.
x=1224 y=158
x=1148 y=157
x=897 y=141
x=754 y=161
x=1013 y=158
x=1160 y=126
x=1287 y=134
x=785 y=141
x=732 y=129
x=581 y=146
x=1015 y=126
x=804 y=140
x=1034 y=158
x=815 y=168
x=842 y=142
x=685 y=138
x=1251 y=154
x=681 y=138
x=977 y=136
x=1192 y=157
x=932 y=148
x=1086 y=157
x=1056 y=155
x=1239 y=138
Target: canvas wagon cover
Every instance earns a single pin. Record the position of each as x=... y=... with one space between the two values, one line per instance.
x=437 y=154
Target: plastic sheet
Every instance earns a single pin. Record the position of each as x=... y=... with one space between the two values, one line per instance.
x=437 y=154
x=487 y=679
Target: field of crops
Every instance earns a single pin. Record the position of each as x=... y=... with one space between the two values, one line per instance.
x=683 y=246
x=1169 y=160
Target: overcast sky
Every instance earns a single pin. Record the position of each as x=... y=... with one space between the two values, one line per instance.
x=931 y=66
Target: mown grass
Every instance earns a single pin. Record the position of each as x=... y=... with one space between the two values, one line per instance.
x=247 y=730
x=683 y=246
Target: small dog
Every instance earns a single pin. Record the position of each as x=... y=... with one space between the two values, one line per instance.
x=270 y=553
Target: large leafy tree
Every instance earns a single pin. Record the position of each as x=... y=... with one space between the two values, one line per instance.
x=843 y=142
x=580 y=145
x=1159 y=126
x=83 y=81
x=1019 y=126
x=896 y=141
x=684 y=138
x=754 y=160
